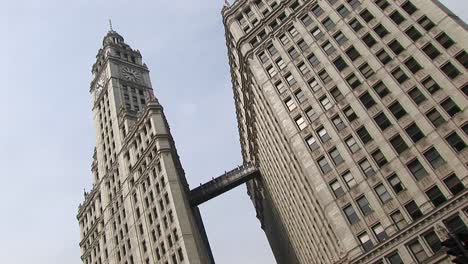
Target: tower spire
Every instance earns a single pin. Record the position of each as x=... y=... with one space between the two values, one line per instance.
x=110 y=25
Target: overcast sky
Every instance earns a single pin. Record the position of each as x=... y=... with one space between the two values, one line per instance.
x=47 y=138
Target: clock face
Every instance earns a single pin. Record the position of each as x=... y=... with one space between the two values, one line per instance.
x=130 y=74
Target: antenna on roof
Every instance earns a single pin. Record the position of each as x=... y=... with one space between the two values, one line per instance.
x=110 y=25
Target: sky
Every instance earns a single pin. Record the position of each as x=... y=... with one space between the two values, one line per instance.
x=47 y=139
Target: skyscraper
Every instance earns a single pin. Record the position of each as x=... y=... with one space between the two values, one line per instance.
x=138 y=211
x=355 y=113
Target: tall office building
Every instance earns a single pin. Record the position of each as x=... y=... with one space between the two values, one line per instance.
x=138 y=211
x=355 y=113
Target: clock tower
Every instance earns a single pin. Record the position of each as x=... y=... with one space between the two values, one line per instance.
x=138 y=210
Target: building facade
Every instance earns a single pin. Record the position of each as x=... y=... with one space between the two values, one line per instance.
x=138 y=211
x=355 y=111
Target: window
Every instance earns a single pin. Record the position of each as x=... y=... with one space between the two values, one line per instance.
x=352 y=53
x=435 y=117
x=456 y=142
x=302 y=45
x=434 y=158
x=325 y=77
x=413 y=210
x=325 y=102
x=317 y=10
x=300 y=122
x=306 y=20
x=280 y=87
x=293 y=53
x=433 y=241
x=364 y=135
x=430 y=85
x=343 y=11
x=312 y=142
x=290 y=79
x=349 y=179
x=324 y=165
x=367 y=100
x=409 y=7
x=313 y=60
x=337 y=189
x=462 y=58
x=353 y=81
x=364 y=205
x=336 y=157
x=379 y=158
x=328 y=48
x=281 y=64
x=290 y=104
x=349 y=113
x=340 y=64
x=454 y=184
x=366 y=15
x=263 y=57
x=396 y=47
x=436 y=196
x=383 y=56
x=366 y=243
x=445 y=40
x=414 y=132
x=369 y=40
x=413 y=33
x=381 y=31
x=314 y=85
x=381 y=89
x=284 y=39
x=317 y=33
x=324 y=137
x=400 y=75
x=293 y=31
x=338 y=123
x=340 y=38
x=354 y=3
x=398 y=220
x=394 y=258
x=416 y=169
x=351 y=214
x=396 y=184
x=455 y=225
x=271 y=71
x=381 y=191
x=366 y=70
x=431 y=51
x=413 y=65
x=397 y=17
x=303 y=68
x=417 y=96
x=382 y=121
x=382 y=4
x=451 y=71
x=337 y=95
x=272 y=50
x=366 y=167
x=311 y=114
x=418 y=251
x=397 y=110
x=352 y=144
x=379 y=232
x=355 y=25
x=328 y=23
x=398 y=144
x=301 y=97
x=426 y=23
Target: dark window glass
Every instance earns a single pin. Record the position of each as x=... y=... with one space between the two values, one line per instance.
x=337 y=189
x=382 y=4
x=351 y=214
x=426 y=23
x=431 y=51
x=343 y=11
x=397 y=17
x=430 y=85
x=317 y=33
x=306 y=20
x=313 y=60
x=398 y=144
x=450 y=107
x=352 y=53
x=413 y=33
x=325 y=77
x=381 y=31
x=355 y=25
x=436 y=196
x=366 y=15
x=381 y=89
x=339 y=124
x=455 y=224
x=340 y=64
x=409 y=7
x=456 y=142
x=367 y=100
x=312 y=142
x=382 y=121
x=394 y=258
x=417 y=96
x=353 y=81
x=379 y=158
x=451 y=71
x=364 y=135
x=328 y=23
x=397 y=110
x=434 y=158
x=454 y=184
x=350 y=114
x=414 y=132
x=383 y=194
x=396 y=184
x=336 y=157
x=413 y=65
x=433 y=241
x=340 y=38
x=418 y=251
x=396 y=47
x=417 y=169
x=317 y=10
x=366 y=70
x=445 y=40
x=398 y=220
x=462 y=58
x=364 y=205
x=383 y=56
x=354 y=3
x=369 y=40
x=324 y=165
x=400 y=75
x=366 y=167
x=435 y=117
x=413 y=210
x=379 y=232
x=337 y=95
